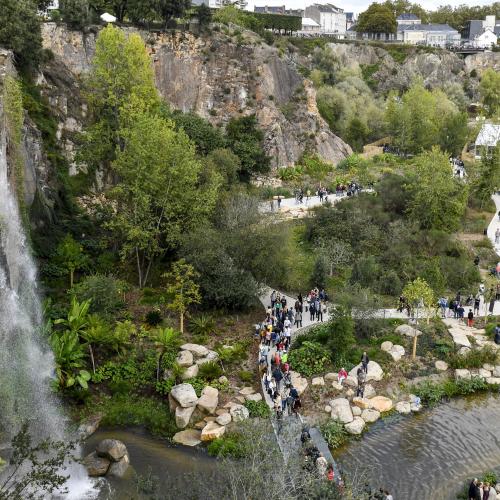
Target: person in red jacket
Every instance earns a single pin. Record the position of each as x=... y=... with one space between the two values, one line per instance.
x=342 y=375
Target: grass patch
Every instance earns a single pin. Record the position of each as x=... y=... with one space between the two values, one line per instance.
x=258 y=409
x=231 y=445
x=334 y=433
x=475 y=358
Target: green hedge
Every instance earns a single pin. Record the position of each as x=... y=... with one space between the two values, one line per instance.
x=279 y=21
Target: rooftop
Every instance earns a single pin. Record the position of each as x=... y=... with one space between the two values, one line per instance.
x=407 y=17
x=426 y=27
x=307 y=21
x=327 y=7
x=489 y=135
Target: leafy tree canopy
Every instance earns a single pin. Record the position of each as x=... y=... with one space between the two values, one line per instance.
x=378 y=18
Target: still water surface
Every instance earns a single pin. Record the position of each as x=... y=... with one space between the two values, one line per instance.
x=430 y=455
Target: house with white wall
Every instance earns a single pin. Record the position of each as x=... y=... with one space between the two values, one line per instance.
x=432 y=35
x=332 y=20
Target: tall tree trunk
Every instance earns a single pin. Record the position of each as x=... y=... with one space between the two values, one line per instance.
x=92 y=357
x=139 y=271
x=71 y=275
x=182 y=322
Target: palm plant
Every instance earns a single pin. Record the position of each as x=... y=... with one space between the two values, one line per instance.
x=165 y=340
x=96 y=333
x=77 y=318
x=120 y=338
x=202 y=325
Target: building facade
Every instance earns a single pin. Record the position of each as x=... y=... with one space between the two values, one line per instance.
x=408 y=19
x=332 y=20
x=433 y=35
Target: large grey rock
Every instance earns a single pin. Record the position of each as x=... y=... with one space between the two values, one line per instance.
x=223 y=419
x=462 y=374
x=112 y=449
x=300 y=383
x=197 y=350
x=184 y=394
x=254 y=397
x=356 y=411
x=246 y=391
x=209 y=399
x=190 y=372
x=212 y=431
x=356 y=426
x=96 y=466
x=185 y=358
x=496 y=371
x=375 y=372
x=397 y=352
x=318 y=381
x=239 y=413
x=120 y=468
x=493 y=381
x=403 y=407
x=408 y=331
x=188 y=437
x=370 y=415
x=441 y=365
x=341 y=410
x=369 y=391
x=386 y=346
x=183 y=416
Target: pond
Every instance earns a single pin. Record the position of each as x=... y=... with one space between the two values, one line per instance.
x=429 y=455
x=150 y=456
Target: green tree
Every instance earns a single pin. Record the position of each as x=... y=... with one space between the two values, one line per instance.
x=169 y=9
x=121 y=77
x=182 y=289
x=225 y=163
x=166 y=340
x=204 y=15
x=245 y=139
x=142 y=11
x=420 y=296
x=320 y=271
x=489 y=88
x=75 y=13
x=20 y=31
x=158 y=196
x=488 y=180
x=71 y=256
x=378 y=18
x=35 y=470
x=105 y=292
x=437 y=199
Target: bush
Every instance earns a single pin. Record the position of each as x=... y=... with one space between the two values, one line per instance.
x=309 y=359
x=334 y=433
x=210 y=370
x=474 y=358
x=202 y=325
x=230 y=445
x=105 y=292
x=431 y=394
x=258 y=409
x=245 y=376
x=153 y=318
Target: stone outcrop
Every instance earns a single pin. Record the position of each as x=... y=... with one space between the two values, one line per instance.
x=212 y=431
x=374 y=372
x=184 y=395
x=219 y=77
x=341 y=410
x=188 y=437
x=356 y=426
x=381 y=404
x=209 y=400
x=112 y=449
x=110 y=458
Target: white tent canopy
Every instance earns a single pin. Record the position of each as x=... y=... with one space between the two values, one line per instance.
x=489 y=135
x=108 y=18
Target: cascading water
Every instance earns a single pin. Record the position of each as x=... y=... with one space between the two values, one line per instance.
x=26 y=362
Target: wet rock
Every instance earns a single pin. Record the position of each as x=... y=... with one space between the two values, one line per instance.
x=198 y=351
x=89 y=426
x=209 y=399
x=120 y=468
x=184 y=394
x=239 y=413
x=185 y=359
x=370 y=415
x=356 y=426
x=212 y=431
x=188 y=437
x=96 y=466
x=341 y=410
x=112 y=449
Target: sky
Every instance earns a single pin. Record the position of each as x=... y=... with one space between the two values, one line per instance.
x=358 y=6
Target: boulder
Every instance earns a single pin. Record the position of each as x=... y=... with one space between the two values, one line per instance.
x=397 y=352
x=89 y=426
x=330 y=377
x=442 y=366
x=317 y=381
x=199 y=351
x=493 y=381
x=96 y=466
x=246 y=391
x=369 y=391
x=403 y=407
x=239 y=413
x=223 y=419
x=462 y=374
x=356 y=411
x=484 y=373
x=328 y=409
x=188 y=437
x=370 y=416
x=209 y=399
x=184 y=394
x=199 y=425
x=349 y=393
x=241 y=399
x=299 y=382
x=254 y=397
x=408 y=331
x=185 y=358
x=386 y=346
x=336 y=386
x=415 y=407
x=496 y=371
x=341 y=410
x=381 y=404
x=464 y=350
x=223 y=379
x=120 y=468
x=375 y=372
x=489 y=367
x=351 y=381
x=190 y=372
x=212 y=431
x=356 y=426
x=221 y=411
x=362 y=403
x=183 y=416
x=172 y=403
x=112 y=449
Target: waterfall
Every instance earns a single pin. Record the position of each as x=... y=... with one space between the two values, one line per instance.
x=26 y=361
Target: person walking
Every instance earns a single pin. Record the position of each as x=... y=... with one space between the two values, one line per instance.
x=470 y=319
x=312 y=310
x=364 y=362
x=278 y=377
x=319 y=311
x=477 y=303
x=497 y=235
x=298 y=319
x=473 y=489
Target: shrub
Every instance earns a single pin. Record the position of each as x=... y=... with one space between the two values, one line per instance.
x=334 y=433
x=258 y=409
x=474 y=358
x=230 y=445
x=153 y=318
x=309 y=359
x=106 y=293
x=210 y=370
x=431 y=394
x=202 y=325
x=245 y=376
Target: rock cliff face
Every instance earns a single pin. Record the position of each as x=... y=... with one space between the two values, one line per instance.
x=436 y=69
x=220 y=77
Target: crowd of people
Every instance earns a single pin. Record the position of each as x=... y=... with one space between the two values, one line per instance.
x=458 y=167
x=479 y=490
